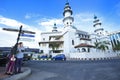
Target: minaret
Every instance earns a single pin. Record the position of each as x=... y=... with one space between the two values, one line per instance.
x=68 y=19
x=97 y=24
x=54 y=28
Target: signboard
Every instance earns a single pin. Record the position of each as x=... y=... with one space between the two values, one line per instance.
x=27 y=35
x=27 y=39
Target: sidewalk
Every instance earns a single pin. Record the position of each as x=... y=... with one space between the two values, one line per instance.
x=2 y=73
x=3 y=76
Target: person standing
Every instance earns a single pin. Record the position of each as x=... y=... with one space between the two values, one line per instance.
x=19 y=58
x=10 y=65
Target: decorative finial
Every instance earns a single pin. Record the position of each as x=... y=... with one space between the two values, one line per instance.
x=54 y=28
x=67 y=3
x=95 y=17
x=54 y=24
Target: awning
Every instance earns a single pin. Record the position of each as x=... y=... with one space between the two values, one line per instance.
x=85 y=39
x=83 y=45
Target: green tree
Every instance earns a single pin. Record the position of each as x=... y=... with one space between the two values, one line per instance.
x=96 y=45
x=102 y=45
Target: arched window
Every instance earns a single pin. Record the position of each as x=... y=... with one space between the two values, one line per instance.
x=43 y=39
x=78 y=50
x=83 y=50
x=42 y=51
x=72 y=42
x=67 y=23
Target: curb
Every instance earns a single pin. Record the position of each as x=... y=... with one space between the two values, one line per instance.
x=46 y=59
x=94 y=59
x=26 y=72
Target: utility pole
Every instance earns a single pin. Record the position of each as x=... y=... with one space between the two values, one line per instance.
x=14 y=49
x=18 y=38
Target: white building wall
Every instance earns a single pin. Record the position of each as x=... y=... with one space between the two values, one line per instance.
x=68 y=37
x=68 y=22
x=44 y=36
x=77 y=39
x=66 y=43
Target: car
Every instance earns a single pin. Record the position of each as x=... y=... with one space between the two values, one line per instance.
x=59 y=57
x=27 y=56
x=44 y=57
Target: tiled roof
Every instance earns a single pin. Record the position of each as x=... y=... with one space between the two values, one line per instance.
x=83 y=45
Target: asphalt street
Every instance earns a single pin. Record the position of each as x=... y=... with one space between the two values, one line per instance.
x=74 y=70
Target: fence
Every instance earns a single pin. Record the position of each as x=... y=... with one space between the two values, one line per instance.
x=93 y=56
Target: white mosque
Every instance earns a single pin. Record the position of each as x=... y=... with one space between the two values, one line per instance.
x=74 y=43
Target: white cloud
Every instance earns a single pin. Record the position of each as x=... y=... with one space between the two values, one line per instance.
x=9 y=22
x=9 y=38
x=111 y=26
x=27 y=16
x=82 y=21
x=12 y=23
x=32 y=15
x=49 y=23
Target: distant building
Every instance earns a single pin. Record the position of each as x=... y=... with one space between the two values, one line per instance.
x=115 y=38
x=8 y=49
x=5 y=49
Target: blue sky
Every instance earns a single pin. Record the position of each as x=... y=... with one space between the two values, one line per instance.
x=40 y=15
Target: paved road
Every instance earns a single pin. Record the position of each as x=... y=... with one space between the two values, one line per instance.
x=74 y=70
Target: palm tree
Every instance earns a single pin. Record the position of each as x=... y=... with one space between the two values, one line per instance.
x=102 y=45
x=96 y=45
x=116 y=47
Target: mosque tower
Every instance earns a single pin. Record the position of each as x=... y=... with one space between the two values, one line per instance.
x=97 y=24
x=54 y=28
x=68 y=19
